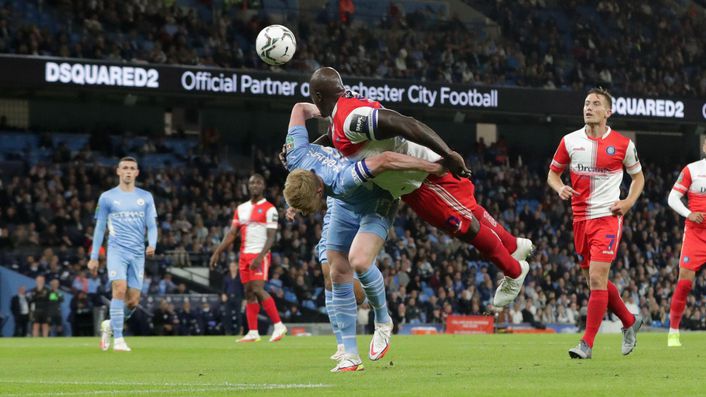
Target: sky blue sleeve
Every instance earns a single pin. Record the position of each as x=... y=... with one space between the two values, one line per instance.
x=297 y=136
x=151 y=223
x=350 y=177
x=101 y=220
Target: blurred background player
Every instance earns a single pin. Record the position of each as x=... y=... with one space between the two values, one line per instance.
x=256 y=221
x=596 y=155
x=361 y=128
x=127 y=211
x=692 y=182
x=358 y=225
x=39 y=304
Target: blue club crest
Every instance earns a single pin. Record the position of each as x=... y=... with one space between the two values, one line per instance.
x=610 y=150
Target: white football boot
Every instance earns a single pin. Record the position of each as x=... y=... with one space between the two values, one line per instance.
x=380 y=343
x=119 y=345
x=349 y=363
x=509 y=288
x=106 y=333
x=340 y=351
x=279 y=332
x=525 y=248
x=252 y=336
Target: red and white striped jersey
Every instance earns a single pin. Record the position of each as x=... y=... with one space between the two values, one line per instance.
x=692 y=182
x=596 y=168
x=354 y=123
x=253 y=221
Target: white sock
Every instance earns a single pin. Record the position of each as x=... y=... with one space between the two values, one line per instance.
x=673 y=331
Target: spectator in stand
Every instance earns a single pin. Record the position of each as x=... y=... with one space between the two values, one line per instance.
x=19 y=305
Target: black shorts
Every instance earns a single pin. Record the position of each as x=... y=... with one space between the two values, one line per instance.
x=40 y=317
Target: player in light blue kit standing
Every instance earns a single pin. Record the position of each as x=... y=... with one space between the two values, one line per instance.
x=127 y=211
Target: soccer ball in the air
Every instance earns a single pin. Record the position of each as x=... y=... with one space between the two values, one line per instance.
x=276 y=45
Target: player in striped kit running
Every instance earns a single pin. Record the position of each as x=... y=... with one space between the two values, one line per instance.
x=692 y=183
x=596 y=156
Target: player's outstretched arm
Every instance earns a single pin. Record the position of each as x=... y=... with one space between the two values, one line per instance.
x=391 y=124
x=228 y=239
x=392 y=161
x=301 y=112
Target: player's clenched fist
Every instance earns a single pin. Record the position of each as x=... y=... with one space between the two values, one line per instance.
x=93 y=265
x=566 y=192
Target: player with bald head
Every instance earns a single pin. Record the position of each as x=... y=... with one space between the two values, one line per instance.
x=361 y=128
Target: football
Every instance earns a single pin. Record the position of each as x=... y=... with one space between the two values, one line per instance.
x=276 y=45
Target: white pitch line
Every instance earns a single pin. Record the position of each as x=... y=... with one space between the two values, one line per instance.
x=210 y=388
x=169 y=384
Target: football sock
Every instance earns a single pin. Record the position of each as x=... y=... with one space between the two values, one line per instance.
x=117 y=317
x=374 y=287
x=676 y=309
x=331 y=310
x=346 y=315
x=251 y=312
x=597 y=306
x=508 y=240
x=271 y=310
x=617 y=306
x=488 y=243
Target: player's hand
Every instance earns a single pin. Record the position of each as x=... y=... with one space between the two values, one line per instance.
x=290 y=214
x=438 y=169
x=213 y=261
x=255 y=265
x=149 y=251
x=620 y=208
x=310 y=110
x=566 y=192
x=456 y=165
x=93 y=266
x=697 y=217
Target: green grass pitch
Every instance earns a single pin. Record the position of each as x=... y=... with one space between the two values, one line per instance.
x=429 y=366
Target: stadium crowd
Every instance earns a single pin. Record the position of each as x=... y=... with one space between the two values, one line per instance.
x=640 y=48
x=46 y=218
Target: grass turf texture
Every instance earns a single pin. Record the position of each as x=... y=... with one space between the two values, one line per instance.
x=492 y=365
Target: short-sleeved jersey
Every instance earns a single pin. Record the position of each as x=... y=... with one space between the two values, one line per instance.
x=254 y=219
x=126 y=214
x=343 y=179
x=353 y=128
x=596 y=168
x=692 y=183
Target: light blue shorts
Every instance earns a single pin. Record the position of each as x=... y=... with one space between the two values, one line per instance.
x=345 y=224
x=126 y=265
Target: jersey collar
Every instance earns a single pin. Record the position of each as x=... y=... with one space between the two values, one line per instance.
x=604 y=136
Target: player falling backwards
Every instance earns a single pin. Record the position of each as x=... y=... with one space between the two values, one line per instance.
x=127 y=211
x=692 y=183
x=256 y=221
x=360 y=218
x=361 y=128
x=595 y=156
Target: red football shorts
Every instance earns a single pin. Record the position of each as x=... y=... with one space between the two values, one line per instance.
x=598 y=239
x=247 y=275
x=693 y=248
x=444 y=202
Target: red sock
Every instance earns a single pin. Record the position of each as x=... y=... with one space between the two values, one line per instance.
x=489 y=245
x=617 y=306
x=676 y=309
x=271 y=309
x=251 y=311
x=597 y=306
x=508 y=240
